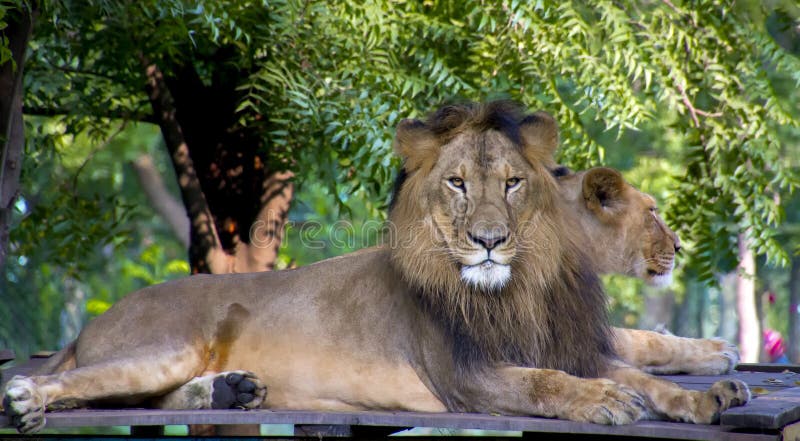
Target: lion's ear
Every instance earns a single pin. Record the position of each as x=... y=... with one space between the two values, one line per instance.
x=604 y=193
x=539 y=132
x=416 y=144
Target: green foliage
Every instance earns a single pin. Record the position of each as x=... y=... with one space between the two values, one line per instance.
x=84 y=235
x=694 y=77
x=5 y=52
x=332 y=78
x=317 y=230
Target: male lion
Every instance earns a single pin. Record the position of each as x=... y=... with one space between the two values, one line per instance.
x=484 y=302
x=627 y=236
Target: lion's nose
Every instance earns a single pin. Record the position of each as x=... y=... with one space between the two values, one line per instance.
x=677 y=245
x=488 y=241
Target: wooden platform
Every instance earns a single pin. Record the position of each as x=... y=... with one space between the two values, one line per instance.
x=772 y=415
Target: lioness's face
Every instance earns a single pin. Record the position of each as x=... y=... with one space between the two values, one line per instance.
x=478 y=190
x=627 y=234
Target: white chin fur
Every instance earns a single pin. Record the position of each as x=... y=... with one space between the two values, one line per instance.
x=487 y=275
x=662 y=280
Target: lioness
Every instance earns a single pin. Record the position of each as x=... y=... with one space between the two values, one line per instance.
x=484 y=302
x=627 y=236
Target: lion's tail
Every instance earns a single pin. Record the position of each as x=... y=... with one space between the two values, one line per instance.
x=59 y=362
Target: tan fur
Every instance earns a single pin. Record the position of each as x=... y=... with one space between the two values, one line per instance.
x=484 y=303
x=627 y=236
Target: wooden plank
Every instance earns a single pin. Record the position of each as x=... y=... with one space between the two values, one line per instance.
x=43 y=354
x=6 y=355
x=771 y=411
x=770 y=380
x=767 y=367
x=151 y=417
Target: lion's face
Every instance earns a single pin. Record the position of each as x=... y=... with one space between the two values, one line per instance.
x=478 y=190
x=627 y=234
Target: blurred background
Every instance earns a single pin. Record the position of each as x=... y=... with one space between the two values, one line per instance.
x=145 y=140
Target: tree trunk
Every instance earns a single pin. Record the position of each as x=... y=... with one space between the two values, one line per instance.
x=266 y=232
x=12 y=136
x=685 y=322
x=749 y=332
x=205 y=254
x=237 y=208
x=728 y=318
x=793 y=343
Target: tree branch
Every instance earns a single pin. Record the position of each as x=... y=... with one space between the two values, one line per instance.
x=91 y=154
x=165 y=205
x=107 y=113
x=72 y=70
x=693 y=111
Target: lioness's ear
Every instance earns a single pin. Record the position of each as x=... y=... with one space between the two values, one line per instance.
x=603 y=191
x=539 y=132
x=416 y=144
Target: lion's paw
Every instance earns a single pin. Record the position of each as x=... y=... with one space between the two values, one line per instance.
x=606 y=402
x=722 y=395
x=237 y=390
x=719 y=357
x=24 y=404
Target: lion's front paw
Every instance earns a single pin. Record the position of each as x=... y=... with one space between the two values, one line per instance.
x=716 y=357
x=24 y=405
x=606 y=402
x=237 y=389
x=722 y=395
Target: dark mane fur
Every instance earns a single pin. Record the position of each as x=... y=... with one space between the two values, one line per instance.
x=503 y=116
x=552 y=314
x=560 y=325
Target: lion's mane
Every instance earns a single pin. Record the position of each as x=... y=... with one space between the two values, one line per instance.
x=553 y=312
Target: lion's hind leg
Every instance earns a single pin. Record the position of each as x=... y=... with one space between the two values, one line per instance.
x=125 y=380
x=225 y=390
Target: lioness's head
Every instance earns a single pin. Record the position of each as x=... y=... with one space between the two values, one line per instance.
x=478 y=179
x=626 y=234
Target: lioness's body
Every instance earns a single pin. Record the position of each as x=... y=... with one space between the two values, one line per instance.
x=625 y=235
x=484 y=303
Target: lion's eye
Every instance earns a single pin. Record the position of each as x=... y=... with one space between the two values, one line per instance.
x=456 y=183
x=512 y=183
x=652 y=209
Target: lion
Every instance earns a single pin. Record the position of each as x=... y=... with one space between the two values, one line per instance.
x=627 y=236
x=483 y=301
